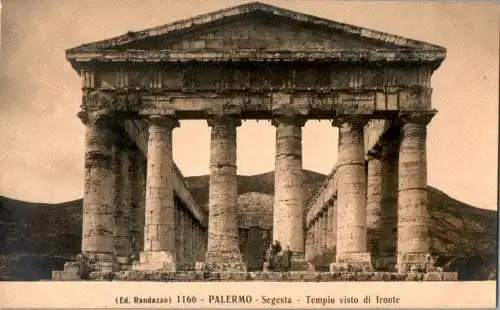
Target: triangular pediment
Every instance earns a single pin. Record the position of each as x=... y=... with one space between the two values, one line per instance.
x=257 y=26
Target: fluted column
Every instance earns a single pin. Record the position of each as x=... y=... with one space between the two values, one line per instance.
x=179 y=224
x=413 y=235
x=382 y=208
x=307 y=251
x=317 y=240
x=351 y=195
x=288 y=213
x=188 y=233
x=223 y=248
x=98 y=209
x=198 y=243
x=331 y=239
x=324 y=235
x=136 y=176
x=194 y=242
x=123 y=205
x=159 y=235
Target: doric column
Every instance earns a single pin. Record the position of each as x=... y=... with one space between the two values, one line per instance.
x=180 y=235
x=308 y=249
x=159 y=233
x=381 y=208
x=223 y=248
x=98 y=209
x=197 y=245
x=123 y=205
x=288 y=213
x=351 y=195
x=136 y=176
x=317 y=240
x=204 y=242
x=413 y=238
x=194 y=242
x=331 y=239
x=324 y=234
x=188 y=235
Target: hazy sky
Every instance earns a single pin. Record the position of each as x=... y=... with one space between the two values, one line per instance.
x=42 y=140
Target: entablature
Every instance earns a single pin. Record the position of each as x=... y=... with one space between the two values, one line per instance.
x=252 y=77
x=261 y=104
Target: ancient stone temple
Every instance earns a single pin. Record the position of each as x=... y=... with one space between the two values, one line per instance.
x=255 y=62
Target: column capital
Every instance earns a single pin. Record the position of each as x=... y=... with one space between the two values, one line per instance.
x=168 y=122
x=296 y=120
x=358 y=120
x=95 y=118
x=217 y=120
x=419 y=118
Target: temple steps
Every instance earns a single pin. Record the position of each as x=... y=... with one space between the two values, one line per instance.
x=294 y=276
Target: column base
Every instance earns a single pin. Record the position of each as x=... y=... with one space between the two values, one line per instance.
x=298 y=263
x=357 y=261
x=124 y=262
x=155 y=261
x=97 y=262
x=71 y=272
x=221 y=267
x=415 y=262
x=385 y=263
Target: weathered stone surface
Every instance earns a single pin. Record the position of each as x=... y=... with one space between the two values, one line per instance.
x=381 y=207
x=221 y=266
x=288 y=219
x=137 y=131
x=289 y=88
x=98 y=209
x=63 y=275
x=188 y=239
x=331 y=237
x=324 y=236
x=137 y=175
x=159 y=234
x=123 y=204
x=234 y=276
x=309 y=244
x=351 y=195
x=316 y=240
x=413 y=239
x=223 y=245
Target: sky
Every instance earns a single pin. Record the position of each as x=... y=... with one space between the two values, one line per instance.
x=42 y=140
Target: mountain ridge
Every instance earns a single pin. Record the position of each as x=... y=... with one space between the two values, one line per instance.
x=39 y=237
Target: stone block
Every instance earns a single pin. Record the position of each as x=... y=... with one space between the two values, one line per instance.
x=216 y=266
x=395 y=276
x=154 y=266
x=414 y=276
x=364 y=276
x=101 y=276
x=71 y=267
x=377 y=276
x=300 y=265
x=107 y=267
x=361 y=258
x=450 y=276
x=60 y=275
x=433 y=276
x=156 y=256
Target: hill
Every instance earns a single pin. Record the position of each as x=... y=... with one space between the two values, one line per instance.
x=36 y=238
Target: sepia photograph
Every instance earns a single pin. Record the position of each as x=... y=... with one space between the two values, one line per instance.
x=243 y=154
